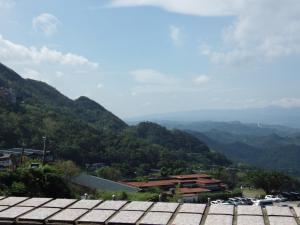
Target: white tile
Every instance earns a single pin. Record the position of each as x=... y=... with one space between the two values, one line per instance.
x=277 y=220
x=250 y=220
x=221 y=209
x=126 y=217
x=249 y=210
x=60 y=203
x=187 y=219
x=138 y=206
x=96 y=216
x=192 y=208
x=68 y=215
x=156 y=218
x=278 y=211
x=10 y=201
x=39 y=214
x=85 y=204
x=115 y=205
x=35 y=202
x=14 y=212
x=164 y=207
x=3 y=207
x=297 y=210
x=218 y=220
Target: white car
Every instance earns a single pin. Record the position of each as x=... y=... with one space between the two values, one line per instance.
x=273 y=198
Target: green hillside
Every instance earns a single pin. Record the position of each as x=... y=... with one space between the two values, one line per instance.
x=85 y=132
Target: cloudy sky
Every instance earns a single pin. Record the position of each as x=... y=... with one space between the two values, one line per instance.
x=138 y=57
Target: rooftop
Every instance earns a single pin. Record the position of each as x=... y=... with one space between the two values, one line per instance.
x=139 y=213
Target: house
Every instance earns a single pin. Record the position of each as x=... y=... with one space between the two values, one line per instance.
x=189 y=186
x=30 y=153
x=7 y=161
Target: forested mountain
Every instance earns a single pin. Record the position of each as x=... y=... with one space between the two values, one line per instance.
x=84 y=131
x=266 y=146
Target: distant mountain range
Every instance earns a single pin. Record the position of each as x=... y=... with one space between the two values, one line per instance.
x=85 y=132
x=269 y=115
x=265 y=146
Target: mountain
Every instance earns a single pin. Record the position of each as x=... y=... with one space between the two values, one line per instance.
x=268 y=115
x=85 y=132
x=265 y=146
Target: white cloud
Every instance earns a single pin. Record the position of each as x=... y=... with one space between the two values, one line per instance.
x=287 y=102
x=201 y=79
x=149 y=76
x=191 y=7
x=153 y=81
x=47 y=23
x=264 y=30
x=19 y=54
x=175 y=34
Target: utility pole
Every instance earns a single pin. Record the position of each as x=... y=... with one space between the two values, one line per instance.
x=22 y=153
x=44 y=150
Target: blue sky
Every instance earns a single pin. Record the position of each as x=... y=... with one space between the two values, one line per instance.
x=138 y=57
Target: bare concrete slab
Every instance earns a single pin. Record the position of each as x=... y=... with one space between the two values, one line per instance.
x=38 y=215
x=96 y=217
x=35 y=202
x=85 y=204
x=164 y=207
x=138 y=206
x=278 y=211
x=250 y=220
x=192 y=208
x=60 y=203
x=278 y=220
x=66 y=216
x=126 y=217
x=249 y=210
x=10 y=201
x=156 y=218
x=187 y=219
x=221 y=209
x=114 y=205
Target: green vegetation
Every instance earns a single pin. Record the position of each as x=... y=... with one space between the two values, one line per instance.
x=45 y=181
x=276 y=148
x=85 y=132
x=253 y=193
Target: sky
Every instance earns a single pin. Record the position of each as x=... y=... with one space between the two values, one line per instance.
x=140 y=57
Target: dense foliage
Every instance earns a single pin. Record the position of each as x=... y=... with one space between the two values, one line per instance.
x=85 y=132
x=45 y=181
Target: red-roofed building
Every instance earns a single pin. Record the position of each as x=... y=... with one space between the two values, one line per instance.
x=190 y=186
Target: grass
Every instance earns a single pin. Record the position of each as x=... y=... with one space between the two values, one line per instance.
x=253 y=193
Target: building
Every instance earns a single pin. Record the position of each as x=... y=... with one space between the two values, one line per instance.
x=189 y=186
x=30 y=153
x=7 y=161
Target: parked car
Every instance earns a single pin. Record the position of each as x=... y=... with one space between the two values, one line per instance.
x=296 y=195
x=273 y=198
x=263 y=202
